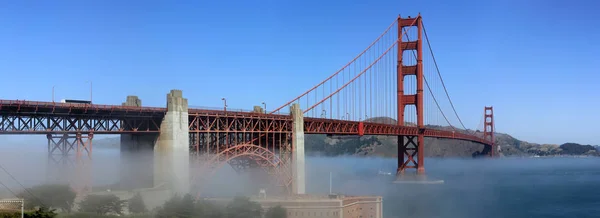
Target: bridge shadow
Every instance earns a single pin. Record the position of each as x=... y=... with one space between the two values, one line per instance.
x=487 y=149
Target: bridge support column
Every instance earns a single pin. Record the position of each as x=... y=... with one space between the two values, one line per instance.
x=172 y=151
x=298 y=172
x=64 y=169
x=410 y=146
x=136 y=155
x=420 y=153
x=59 y=161
x=488 y=129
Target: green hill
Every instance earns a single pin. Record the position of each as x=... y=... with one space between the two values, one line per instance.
x=387 y=145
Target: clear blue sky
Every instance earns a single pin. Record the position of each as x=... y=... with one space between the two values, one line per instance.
x=532 y=60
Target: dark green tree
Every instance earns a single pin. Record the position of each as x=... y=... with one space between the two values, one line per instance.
x=49 y=196
x=276 y=212
x=206 y=209
x=136 y=204
x=177 y=207
x=41 y=212
x=102 y=204
x=242 y=207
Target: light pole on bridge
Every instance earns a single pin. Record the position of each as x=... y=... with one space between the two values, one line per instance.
x=90 y=91
x=264 y=106
x=324 y=114
x=53 y=94
x=224 y=104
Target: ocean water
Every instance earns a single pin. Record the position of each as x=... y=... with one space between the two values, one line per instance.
x=504 y=187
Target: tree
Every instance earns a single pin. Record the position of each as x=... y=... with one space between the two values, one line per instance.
x=207 y=209
x=242 y=207
x=102 y=204
x=52 y=196
x=136 y=204
x=41 y=212
x=576 y=149
x=276 y=212
x=186 y=206
x=179 y=207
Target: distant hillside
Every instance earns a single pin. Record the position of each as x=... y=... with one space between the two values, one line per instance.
x=387 y=145
x=108 y=142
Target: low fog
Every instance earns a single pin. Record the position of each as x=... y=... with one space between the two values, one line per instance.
x=472 y=187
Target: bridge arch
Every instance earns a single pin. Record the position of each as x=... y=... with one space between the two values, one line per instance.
x=264 y=158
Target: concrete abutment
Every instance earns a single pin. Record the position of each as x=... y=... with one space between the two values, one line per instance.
x=136 y=155
x=158 y=160
x=298 y=160
x=163 y=160
x=172 y=151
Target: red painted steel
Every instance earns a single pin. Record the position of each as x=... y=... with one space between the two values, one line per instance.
x=22 y=106
x=417 y=99
x=351 y=80
x=344 y=127
x=336 y=73
x=60 y=152
x=73 y=124
x=361 y=128
x=249 y=139
x=488 y=127
x=23 y=121
x=268 y=160
x=420 y=115
x=243 y=140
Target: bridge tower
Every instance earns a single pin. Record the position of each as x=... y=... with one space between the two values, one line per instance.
x=410 y=146
x=488 y=127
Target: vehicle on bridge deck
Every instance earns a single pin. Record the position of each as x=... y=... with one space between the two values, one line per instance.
x=75 y=101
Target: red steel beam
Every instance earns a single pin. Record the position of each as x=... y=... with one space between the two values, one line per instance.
x=344 y=127
x=14 y=122
x=38 y=106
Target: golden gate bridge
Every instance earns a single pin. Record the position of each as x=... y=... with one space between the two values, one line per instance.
x=393 y=87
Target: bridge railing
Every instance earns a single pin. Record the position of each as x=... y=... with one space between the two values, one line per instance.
x=45 y=104
x=280 y=112
x=76 y=105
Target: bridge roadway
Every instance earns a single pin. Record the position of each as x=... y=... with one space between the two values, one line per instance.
x=36 y=117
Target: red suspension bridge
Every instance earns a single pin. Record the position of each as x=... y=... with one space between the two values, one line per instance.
x=393 y=87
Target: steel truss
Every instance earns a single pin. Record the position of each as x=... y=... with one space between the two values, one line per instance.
x=407 y=149
x=52 y=124
x=70 y=159
x=343 y=127
x=416 y=99
x=488 y=129
x=244 y=141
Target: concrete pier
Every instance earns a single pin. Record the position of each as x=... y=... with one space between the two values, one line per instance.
x=298 y=163
x=171 y=152
x=258 y=109
x=136 y=155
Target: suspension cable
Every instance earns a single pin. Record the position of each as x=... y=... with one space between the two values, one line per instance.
x=340 y=70
x=440 y=75
x=427 y=84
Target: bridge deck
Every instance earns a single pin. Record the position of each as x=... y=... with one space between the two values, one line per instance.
x=36 y=117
